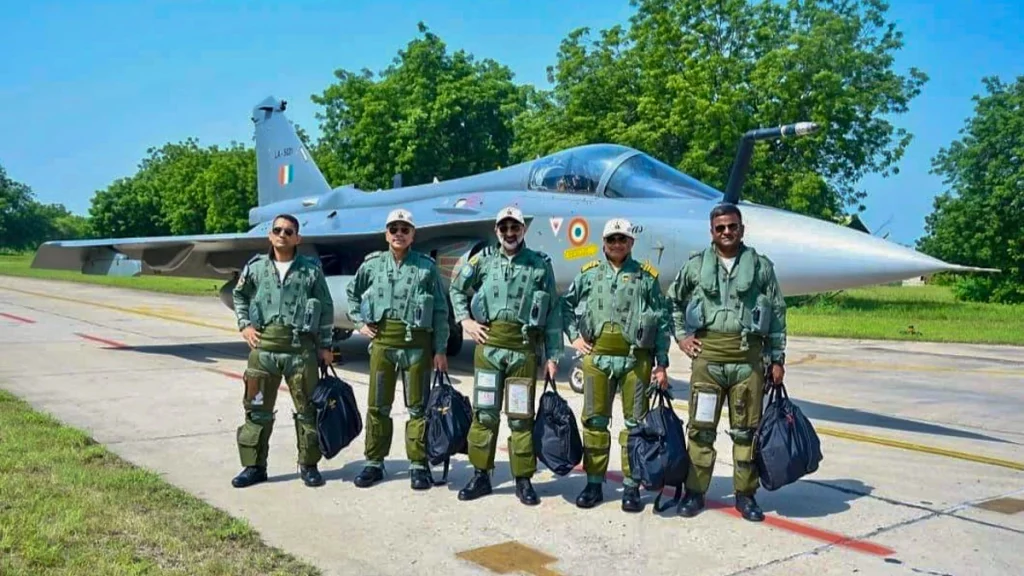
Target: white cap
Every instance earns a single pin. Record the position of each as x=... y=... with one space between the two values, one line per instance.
x=400 y=215
x=511 y=212
x=618 y=226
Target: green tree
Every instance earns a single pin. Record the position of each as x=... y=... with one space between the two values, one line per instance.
x=977 y=220
x=25 y=223
x=430 y=114
x=687 y=78
x=180 y=188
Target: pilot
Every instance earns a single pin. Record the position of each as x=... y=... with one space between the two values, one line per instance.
x=396 y=299
x=285 y=313
x=616 y=316
x=729 y=316
x=513 y=313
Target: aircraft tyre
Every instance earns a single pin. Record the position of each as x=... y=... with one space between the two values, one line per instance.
x=576 y=378
x=455 y=339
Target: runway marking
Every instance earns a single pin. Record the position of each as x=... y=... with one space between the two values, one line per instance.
x=511 y=557
x=790 y=526
x=893 y=443
x=18 y=318
x=907 y=367
x=111 y=343
x=856 y=436
x=779 y=522
x=141 y=310
x=283 y=387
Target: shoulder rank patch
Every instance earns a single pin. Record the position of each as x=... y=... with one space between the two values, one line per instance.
x=372 y=255
x=647 y=267
x=589 y=265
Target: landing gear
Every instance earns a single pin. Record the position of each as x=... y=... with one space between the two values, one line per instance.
x=455 y=338
x=337 y=336
x=576 y=377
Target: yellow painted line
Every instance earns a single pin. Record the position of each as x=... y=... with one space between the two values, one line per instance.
x=858 y=437
x=893 y=443
x=140 y=310
x=905 y=367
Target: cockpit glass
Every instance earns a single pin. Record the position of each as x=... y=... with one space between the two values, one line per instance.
x=575 y=171
x=645 y=177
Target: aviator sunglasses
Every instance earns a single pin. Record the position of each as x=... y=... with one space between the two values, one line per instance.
x=397 y=229
x=732 y=226
x=287 y=231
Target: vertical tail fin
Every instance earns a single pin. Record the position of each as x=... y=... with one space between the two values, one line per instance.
x=284 y=168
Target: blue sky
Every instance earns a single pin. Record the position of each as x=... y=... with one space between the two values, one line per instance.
x=87 y=87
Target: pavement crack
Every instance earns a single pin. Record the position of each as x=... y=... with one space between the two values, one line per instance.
x=172 y=437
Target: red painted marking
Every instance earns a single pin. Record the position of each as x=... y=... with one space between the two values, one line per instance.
x=231 y=374
x=787 y=525
x=774 y=521
x=18 y=318
x=227 y=373
x=111 y=343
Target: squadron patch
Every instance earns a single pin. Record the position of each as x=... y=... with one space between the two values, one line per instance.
x=467 y=270
x=589 y=265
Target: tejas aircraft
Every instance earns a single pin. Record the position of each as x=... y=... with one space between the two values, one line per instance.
x=566 y=198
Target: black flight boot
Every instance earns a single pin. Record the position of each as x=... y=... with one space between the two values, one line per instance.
x=748 y=507
x=310 y=475
x=631 y=501
x=524 y=489
x=419 y=479
x=590 y=496
x=693 y=502
x=369 y=476
x=479 y=485
x=251 y=475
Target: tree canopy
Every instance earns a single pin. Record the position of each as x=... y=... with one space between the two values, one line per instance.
x=25 y=222
x=977 y=219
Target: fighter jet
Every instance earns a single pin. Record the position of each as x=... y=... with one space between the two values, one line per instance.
x=566 y=198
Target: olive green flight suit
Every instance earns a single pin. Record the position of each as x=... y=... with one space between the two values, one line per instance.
x=626 y=319
x=293 y=316
x=406 y=302
x=739 y=316
x=516 y=297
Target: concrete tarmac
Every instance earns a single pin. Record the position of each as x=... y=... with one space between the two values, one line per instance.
x=923 y=470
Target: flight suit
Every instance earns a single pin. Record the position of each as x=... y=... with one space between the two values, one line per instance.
x=406 y=302
x=740 y=318
x=516 y=297
x=293 y=316
x=626 y=319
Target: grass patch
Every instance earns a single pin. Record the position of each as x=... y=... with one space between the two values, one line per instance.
x=924 y=313
x=69 y=506
x=20 y=265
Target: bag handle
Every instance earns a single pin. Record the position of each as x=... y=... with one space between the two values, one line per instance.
x=440 y=377
x=325 y=367
x=549 y=380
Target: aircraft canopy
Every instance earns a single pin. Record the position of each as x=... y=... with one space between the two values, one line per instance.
x=614 y=171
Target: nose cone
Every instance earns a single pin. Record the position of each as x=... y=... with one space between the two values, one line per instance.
x=812 y=255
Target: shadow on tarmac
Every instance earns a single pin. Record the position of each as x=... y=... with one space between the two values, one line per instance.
x=354 y=351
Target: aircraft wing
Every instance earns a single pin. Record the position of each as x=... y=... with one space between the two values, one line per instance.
x=221 y=255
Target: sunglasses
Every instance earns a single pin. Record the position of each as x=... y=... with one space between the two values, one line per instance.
x=509 y=228
x=732 y=226
x=397 y=229
x=616 y=239
x=287 y=231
